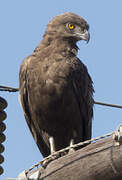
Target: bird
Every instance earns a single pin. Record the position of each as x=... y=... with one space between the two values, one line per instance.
x=55 y=88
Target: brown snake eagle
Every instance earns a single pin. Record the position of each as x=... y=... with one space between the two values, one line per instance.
x=55 y=89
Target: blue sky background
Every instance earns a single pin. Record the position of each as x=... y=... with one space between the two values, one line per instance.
x=22 y=24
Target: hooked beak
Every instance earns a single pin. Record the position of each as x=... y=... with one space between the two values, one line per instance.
x=84 y=36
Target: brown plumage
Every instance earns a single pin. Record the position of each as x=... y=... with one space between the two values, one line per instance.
x=56 y=91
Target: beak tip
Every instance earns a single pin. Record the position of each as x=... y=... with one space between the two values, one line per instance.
x=85 y=36
x=88 y=39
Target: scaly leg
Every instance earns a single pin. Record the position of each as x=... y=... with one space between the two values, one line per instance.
x=52 y=145
x=72 y=142
x=52 y=150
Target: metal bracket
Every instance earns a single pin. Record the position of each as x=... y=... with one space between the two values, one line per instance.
x=35 y=175
x=117 y=136
x=22 y=176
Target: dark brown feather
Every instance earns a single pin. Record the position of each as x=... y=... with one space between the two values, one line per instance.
x=56 y=90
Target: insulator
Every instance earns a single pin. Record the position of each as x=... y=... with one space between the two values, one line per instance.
x=2 y=148
x=1 y=159
x=1 y=170
x=2 y=127
x=2 y=115
x=2 y=138
x=3 y=103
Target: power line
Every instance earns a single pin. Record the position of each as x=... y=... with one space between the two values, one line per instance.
x=107 y=104
x=11 y=89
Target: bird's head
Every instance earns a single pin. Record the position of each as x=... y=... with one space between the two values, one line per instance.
x=68 y=26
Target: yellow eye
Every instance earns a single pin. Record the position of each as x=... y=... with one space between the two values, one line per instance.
x=71 y=26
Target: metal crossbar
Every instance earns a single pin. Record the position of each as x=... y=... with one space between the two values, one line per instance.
x=67 y=148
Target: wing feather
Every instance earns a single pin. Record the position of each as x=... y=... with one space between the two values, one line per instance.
x=83 y=90
x=24 y=101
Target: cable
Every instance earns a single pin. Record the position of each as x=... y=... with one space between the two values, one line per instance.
x=9 y=89
x=106 y=104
